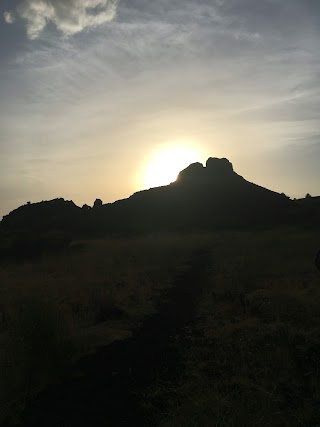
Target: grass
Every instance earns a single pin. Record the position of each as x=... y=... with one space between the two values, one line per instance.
x=36 y=349
x=252 y=358
x=60 y=306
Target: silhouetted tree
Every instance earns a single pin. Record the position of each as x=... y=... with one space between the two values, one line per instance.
x=97 y=203
x=86 y=207
x=284 y=195
x=308 y=196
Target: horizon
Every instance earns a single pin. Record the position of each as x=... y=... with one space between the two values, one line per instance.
x=204 y=165
x=94 y=100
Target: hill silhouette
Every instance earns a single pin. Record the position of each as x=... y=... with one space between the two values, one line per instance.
x=202 y=198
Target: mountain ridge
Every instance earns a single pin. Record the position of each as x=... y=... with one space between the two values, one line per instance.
x=201 y=198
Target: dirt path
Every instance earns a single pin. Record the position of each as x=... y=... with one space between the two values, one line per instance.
x=110 y=390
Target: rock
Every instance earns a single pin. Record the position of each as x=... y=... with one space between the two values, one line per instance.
x=193 y=171
x=219 y=167
x=215 y=169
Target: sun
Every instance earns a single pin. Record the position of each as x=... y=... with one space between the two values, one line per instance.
x=164 y=166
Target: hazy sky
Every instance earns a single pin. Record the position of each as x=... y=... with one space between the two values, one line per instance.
x=91 y=90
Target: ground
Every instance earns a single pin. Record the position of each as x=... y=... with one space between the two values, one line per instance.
x=214 y=330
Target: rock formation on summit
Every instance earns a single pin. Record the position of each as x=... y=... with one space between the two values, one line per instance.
x=193 y=171
x=215 y=169
x=219 y=167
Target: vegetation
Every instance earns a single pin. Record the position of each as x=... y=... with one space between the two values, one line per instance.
x=59 y=306
x=252 y=356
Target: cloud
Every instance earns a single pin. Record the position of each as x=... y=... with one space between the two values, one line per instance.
x=69 y=16
x=9 y=17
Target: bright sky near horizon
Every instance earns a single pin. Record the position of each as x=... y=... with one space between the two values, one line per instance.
x=94 y=93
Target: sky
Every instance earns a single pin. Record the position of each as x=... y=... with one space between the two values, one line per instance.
x=93 y=92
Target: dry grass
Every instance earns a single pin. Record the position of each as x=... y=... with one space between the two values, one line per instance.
x=61 y=306
x=253 y=356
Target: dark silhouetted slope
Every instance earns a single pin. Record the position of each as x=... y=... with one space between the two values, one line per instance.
x=202 y=198
x=53 y=214
x=311 y=207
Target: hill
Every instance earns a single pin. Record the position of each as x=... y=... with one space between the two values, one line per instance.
x=207 y=197
x=202 y=198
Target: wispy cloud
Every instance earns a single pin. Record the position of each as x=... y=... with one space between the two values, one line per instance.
x=238 y=77
x=9 y=17
x=69 y=16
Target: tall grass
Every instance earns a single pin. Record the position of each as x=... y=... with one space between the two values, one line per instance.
x=57 y=307
x=38 y=348
x=253 y=355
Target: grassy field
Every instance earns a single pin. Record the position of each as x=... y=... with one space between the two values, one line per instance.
x=252 y=356
x=58 y=307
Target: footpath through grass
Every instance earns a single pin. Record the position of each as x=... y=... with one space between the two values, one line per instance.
x=57 y=308
x=251 y=356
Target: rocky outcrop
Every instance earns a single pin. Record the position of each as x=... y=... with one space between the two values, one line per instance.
x=220 y=168
x=215 y=169
x=193 y=171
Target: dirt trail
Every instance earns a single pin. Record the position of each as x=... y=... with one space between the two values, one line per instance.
x=110 y=390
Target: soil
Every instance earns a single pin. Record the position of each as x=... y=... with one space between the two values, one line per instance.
x=112 y=389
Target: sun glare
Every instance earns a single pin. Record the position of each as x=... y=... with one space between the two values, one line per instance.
x=165 y=166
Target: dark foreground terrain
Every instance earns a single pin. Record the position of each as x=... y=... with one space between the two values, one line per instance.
x=218 y=330
x=110 y=388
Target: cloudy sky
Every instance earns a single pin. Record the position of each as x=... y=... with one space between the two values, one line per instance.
x=92 y=90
